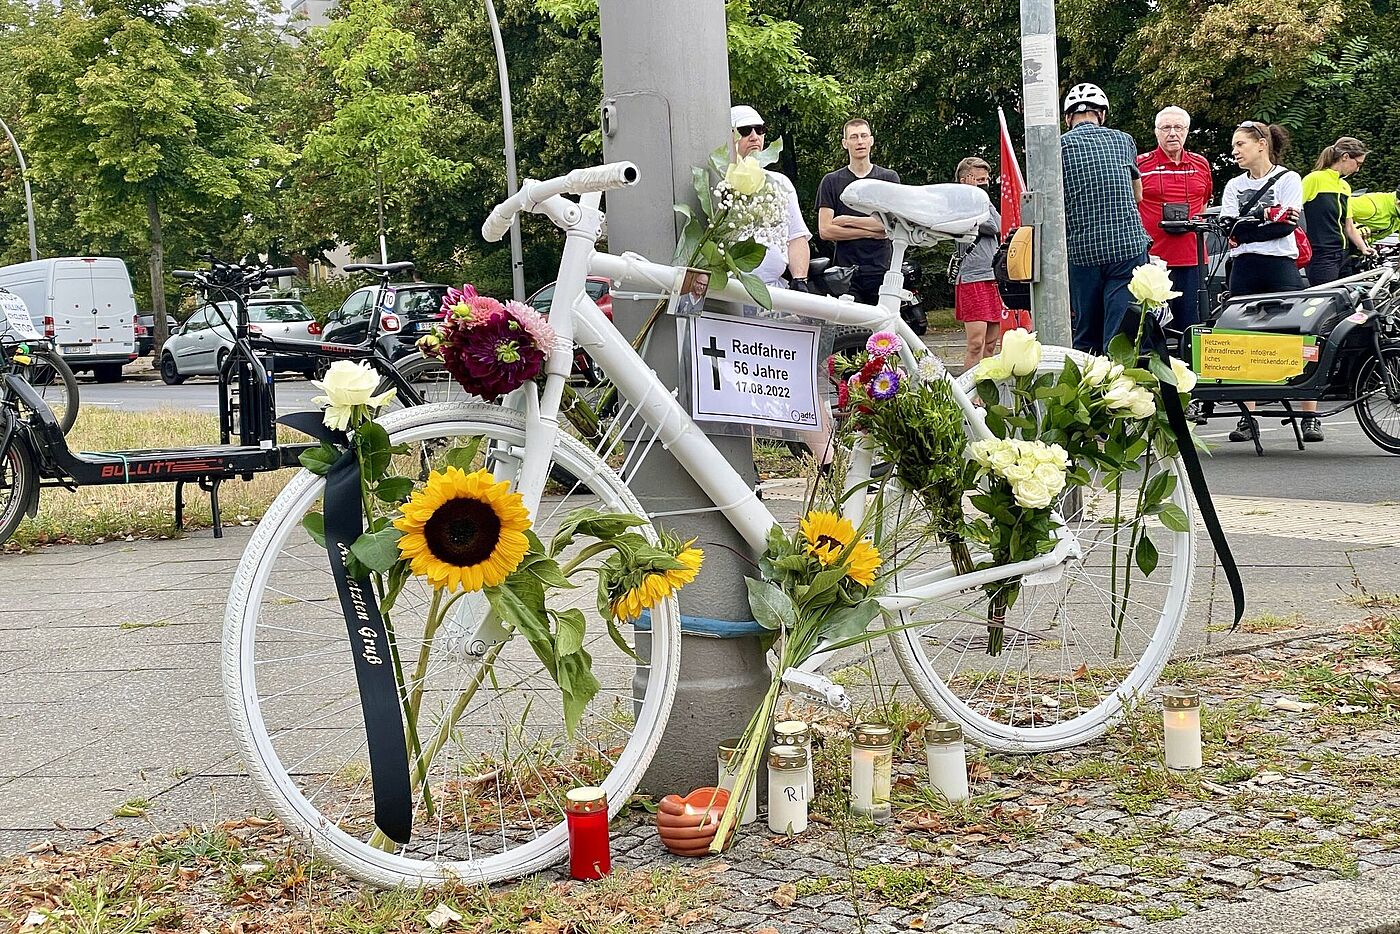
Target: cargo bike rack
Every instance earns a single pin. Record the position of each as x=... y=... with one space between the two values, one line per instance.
x=34 y=453
x=1355 y=326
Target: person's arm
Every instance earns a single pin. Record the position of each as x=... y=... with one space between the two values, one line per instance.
x=1137 y=189
x=1358 y=241
x=847 y=227
x=799 y=257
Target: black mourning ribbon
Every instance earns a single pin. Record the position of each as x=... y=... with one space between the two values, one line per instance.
x=1154 y=343
x=369 y=641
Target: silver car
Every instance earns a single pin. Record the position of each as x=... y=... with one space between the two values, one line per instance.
x=199 y=346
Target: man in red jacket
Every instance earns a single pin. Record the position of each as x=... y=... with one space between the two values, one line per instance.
x=1178 y=183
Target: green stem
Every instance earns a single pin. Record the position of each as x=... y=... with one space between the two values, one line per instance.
x=596 y=548
x=1131 y=558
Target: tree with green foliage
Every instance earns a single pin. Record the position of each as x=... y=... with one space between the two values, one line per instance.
x=131 y=102
x=375 y=145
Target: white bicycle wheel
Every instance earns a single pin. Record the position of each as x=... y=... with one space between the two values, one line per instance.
x=1076 y=649
x=497 y=787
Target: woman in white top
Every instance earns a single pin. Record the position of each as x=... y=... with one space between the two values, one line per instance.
x=1265 y=255
x=1268 y=200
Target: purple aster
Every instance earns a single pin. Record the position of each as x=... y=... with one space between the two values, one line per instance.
x=884 y=385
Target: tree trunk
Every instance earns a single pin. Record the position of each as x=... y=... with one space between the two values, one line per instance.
x=162 y=323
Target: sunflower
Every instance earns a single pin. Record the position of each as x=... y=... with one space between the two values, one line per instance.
x=645 y=587
x=862 y=562
x=826 y=534
x=463 y=530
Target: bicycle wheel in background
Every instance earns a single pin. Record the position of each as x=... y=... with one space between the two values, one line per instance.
x=19 y=486
x=52 y=379
x=1077 y=648
x=497 y=787
x=1377 y=412
x=430 y=378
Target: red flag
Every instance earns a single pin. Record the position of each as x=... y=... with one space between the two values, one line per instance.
x=1012 y=182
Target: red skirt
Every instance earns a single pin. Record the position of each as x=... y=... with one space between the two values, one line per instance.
x=977 y=301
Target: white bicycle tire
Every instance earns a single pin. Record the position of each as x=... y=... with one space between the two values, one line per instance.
x=942 y=700
x=342 y=850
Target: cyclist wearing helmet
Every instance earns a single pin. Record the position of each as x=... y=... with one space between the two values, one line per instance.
x=1106 y=238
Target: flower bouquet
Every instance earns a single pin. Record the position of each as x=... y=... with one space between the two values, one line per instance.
x=463 y=531
x=490 y=348
x=740 y=207
x=817 y=588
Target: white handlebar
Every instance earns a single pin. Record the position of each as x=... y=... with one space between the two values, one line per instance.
x=580 y=181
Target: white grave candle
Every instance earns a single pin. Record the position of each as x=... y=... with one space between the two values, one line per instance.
x=728 y=757
x=947 y=760
x=787 y=790
x=797 y=733
x=872 y=755
x=1181 y=728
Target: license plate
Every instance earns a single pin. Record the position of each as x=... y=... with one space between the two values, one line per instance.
x=76 y=348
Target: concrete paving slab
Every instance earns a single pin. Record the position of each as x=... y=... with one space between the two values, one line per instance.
x=1370 y=905
x=38 y=804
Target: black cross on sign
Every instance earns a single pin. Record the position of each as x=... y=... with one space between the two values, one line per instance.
x=715 y=355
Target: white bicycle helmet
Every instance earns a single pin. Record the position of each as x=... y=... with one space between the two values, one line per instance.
x=1084 y=97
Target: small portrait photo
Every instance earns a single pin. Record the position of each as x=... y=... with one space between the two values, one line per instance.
x=690 y=298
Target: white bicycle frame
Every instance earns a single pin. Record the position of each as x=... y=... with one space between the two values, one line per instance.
x=576 y=319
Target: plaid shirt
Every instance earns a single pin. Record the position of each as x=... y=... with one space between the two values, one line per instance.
x=1101 y=215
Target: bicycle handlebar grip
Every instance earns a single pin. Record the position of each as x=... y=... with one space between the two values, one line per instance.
x=281 y=272
x=184 y=274
x=499 y=222
x=352 y=267
x=603 y=177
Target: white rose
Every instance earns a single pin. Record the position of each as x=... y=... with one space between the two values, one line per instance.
x=1185 y=377
x=1142 y=404
x=1152 y=285
x=993 y=368
x=1032 y=494
x=1020 y=351
x=1095 y=371
x=1049 y=474
x=347 y=385
x=1054 y=454
x=981 y=451
x=746 y=176
x=1119 y=395
x=1018 y=473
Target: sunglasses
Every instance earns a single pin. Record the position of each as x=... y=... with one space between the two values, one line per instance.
x=1254 y=126
x=758 y=128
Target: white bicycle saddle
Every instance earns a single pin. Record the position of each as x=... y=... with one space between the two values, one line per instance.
x=949 y=210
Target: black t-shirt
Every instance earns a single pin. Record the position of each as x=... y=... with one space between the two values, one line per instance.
x=868 y=253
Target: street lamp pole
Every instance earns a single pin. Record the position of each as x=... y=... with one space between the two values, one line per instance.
x=28 y=196
x=1041 y=100
x=517 y=261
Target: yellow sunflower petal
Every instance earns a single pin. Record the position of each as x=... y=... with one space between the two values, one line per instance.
x=862 y=563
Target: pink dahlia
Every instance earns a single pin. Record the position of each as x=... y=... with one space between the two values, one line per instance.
x=534 y=324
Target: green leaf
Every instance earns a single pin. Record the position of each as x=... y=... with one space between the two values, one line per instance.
x=1174 y=518
x=463 y=457
x=604 y=526
x=1121 y=350
x=849 y=622
x=822 y=589
x=571 y=627
x=576 y=671
x=1159 y=488
x=546 y=571
x=1146 y=555
x=769 y=154
x=372 y=444
x=377 y=551
x=616 y=635
x=319 y=460
x=771 y=607
x=756 y=289
x=1161 y=370
x=394 y=489
x=315 y=525
x=745 y=255
x=701 y=180
x=528 y=622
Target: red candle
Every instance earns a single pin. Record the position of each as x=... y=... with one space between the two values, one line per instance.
x=586 y=812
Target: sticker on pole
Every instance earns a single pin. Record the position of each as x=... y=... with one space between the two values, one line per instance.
x=1249 y=356
x=754 y=372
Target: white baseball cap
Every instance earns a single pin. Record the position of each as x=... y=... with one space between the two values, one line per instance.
x=744 y=115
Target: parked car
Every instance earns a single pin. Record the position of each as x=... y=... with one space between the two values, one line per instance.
x=85 y=305
x=146 y=334
x=198 y=347
x=409 y=310
x=599 y=289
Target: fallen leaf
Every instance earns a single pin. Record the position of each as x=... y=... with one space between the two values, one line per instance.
x=916 y=924
x=785 y=895
x=35 y=919
x=1351 y=708
x=768 y=930
x=1081 y=672
x=1269 y=778
x=1293 y=706
x=441 y=916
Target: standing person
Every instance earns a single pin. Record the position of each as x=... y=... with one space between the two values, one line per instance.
x=1177 y=183
x=1106 y=238
x=1268 y=200
x=788 y=250
x=1326 y=194
x=976 y=301
x=857 y=238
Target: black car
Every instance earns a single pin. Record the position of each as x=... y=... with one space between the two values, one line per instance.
x=409 y=310
x=146 y=334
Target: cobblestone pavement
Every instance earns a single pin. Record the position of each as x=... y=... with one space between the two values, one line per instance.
x=1299 y=788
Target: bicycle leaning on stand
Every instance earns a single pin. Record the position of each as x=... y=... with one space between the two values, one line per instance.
x=489 y=801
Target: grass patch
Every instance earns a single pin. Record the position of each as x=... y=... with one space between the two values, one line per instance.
x=141 y=510
x=1150 y=850
x=1270 y=622
x=134 y=807
x=1373 y=601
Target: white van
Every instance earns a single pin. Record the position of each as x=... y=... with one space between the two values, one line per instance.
x=85 y=305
